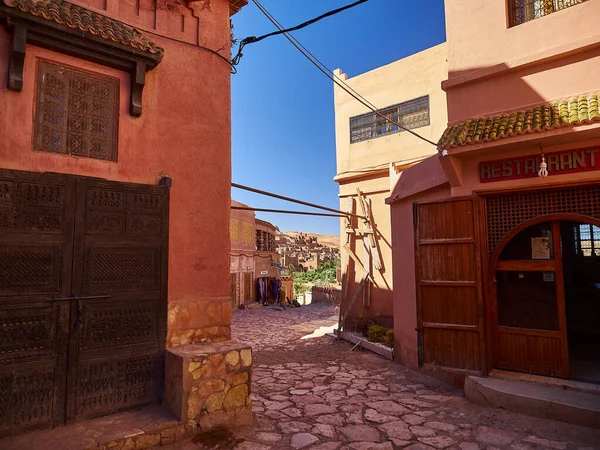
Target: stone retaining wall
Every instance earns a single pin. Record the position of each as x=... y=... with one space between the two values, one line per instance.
x=331 y=294
x=209 y=384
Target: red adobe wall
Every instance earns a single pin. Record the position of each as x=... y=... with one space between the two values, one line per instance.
x=184 y=132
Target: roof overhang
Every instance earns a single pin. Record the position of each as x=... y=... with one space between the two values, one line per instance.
x=536 y=120
x=87 y=35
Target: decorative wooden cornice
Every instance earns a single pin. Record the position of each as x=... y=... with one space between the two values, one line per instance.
x=79 y=32
x=236 y=5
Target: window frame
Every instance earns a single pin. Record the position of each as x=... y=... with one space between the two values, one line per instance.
x=594 y=248
x=38 y=104
x=396 y=113
x=512 y=6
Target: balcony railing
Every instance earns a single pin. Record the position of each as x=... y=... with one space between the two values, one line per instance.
x=526 y=10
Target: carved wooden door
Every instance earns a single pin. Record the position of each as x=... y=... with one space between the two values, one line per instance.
x=449 y=294
x=83 y=286
x=116 y=358
x=36 y=243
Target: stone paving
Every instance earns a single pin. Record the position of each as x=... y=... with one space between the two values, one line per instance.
x=319 y=394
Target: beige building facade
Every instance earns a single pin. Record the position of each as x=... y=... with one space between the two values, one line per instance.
x=372 y=155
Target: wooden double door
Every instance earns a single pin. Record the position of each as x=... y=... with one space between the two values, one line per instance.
x=83 y=306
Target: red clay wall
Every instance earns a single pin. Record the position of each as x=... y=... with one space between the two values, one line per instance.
x=184 y=132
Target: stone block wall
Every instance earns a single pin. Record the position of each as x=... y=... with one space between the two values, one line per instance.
x=209 y=384
x=330 y=294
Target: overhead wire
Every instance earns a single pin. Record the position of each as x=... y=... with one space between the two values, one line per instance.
x=253 y=39
x=293 y=200
x=287 y=211
x=328 y=73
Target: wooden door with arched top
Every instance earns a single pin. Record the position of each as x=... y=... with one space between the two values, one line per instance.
x=530 y=331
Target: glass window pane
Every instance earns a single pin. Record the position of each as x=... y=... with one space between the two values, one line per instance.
x=527 y=300
x=533 y=243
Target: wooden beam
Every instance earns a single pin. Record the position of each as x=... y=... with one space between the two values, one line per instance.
x=357 y=261
x=385 y=352
x=352 y=301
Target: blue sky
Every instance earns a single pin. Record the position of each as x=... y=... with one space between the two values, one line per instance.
x=283 y=136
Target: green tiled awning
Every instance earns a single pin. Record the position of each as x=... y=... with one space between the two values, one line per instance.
x=76 y=17
x=557 y=114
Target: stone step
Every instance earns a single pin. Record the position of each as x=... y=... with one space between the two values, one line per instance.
x=535 y=399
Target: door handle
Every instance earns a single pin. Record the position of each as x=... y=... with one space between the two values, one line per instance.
x=79 y=318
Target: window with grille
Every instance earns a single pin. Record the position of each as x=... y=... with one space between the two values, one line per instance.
x=76 y=113
x=526 y=10
x=411 y=114
x=587 y=239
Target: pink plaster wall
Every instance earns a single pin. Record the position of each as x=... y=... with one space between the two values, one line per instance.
x=184 y=132
x=478 y=34
x=494 y=68
x=508 y=90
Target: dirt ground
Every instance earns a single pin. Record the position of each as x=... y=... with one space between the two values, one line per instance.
x=315 y=393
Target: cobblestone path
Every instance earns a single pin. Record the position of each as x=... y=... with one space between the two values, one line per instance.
x=319 y=394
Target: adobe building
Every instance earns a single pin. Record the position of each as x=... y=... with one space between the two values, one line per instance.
x=242 y=234
x=114 y=210
x=371 y=156
x=496 y=240
x=267 y=261
x=254 y=260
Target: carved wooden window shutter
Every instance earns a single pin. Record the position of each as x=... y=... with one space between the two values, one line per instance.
x=76 y=113
x=74 y=30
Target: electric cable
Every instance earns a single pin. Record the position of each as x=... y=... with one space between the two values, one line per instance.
x=252 y=39
x=334 y=78
x=385 y=165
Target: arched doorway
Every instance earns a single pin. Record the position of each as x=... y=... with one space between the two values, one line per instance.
x=546 y=292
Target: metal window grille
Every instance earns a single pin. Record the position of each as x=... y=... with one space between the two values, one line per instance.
x=587 y=239
x=76 y=113
x=526 y=10
x=507 y=211
x=411 y=114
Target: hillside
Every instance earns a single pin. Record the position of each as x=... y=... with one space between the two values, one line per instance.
x=329 y=241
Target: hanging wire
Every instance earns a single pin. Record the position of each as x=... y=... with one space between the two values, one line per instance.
x=328 y=73
x=253 y=39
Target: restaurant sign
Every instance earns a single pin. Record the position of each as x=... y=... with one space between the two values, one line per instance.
x=559 y=163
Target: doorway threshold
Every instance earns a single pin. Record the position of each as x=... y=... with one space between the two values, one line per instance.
x=535 y=398
x=560 y=383
x=143 y=428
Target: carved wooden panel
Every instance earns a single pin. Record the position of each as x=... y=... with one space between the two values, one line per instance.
x=27 y=400
x=120 y=251
x=116 y=384
x=110 y=324
x=36 y=239
x=76 y=113
x=63 y=355
x=112 y=212
x=30 y=269
x=27 y=334
x=121 y=268
x=32 y=206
